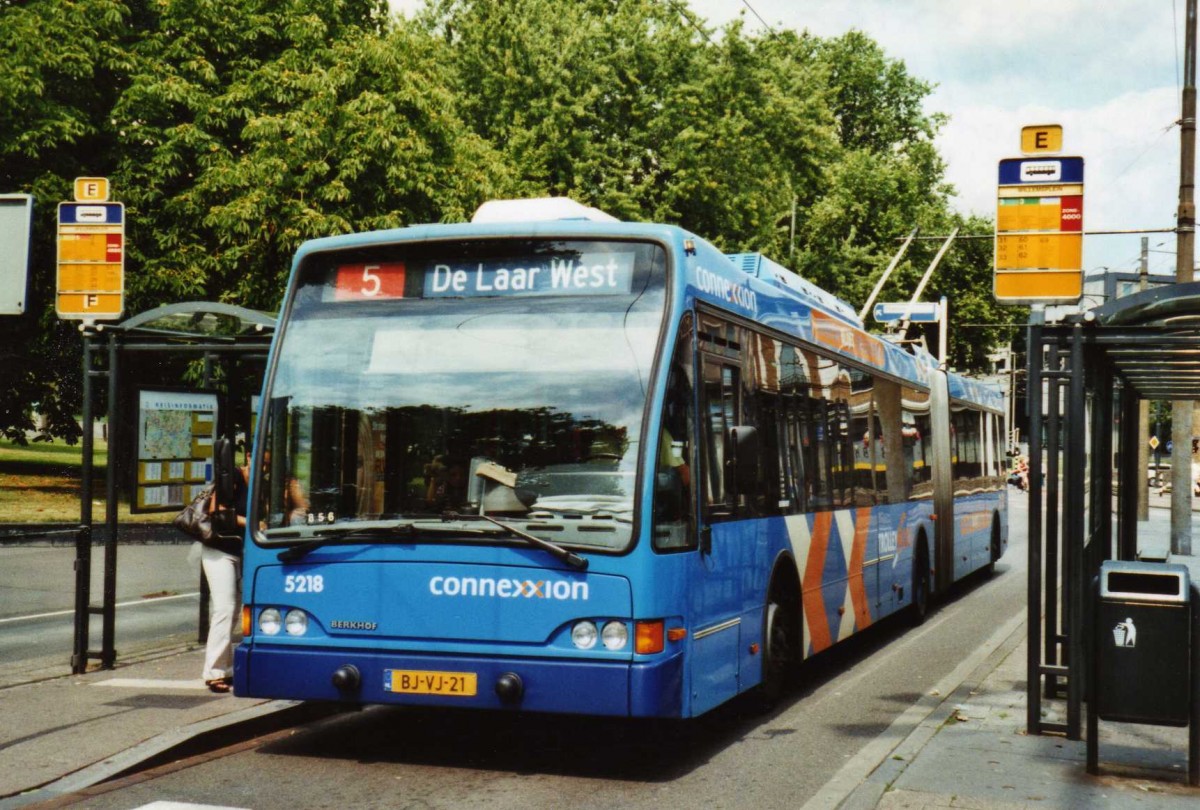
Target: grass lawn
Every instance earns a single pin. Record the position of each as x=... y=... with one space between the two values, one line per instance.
x=39 y=483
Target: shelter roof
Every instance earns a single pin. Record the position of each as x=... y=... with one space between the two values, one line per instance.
x=1152 y=338
x=200 y=320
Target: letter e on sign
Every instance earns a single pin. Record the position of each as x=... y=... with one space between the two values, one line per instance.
x=91 y=189
x=1041 y=138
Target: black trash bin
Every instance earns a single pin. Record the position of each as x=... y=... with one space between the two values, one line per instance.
x=1143 y=643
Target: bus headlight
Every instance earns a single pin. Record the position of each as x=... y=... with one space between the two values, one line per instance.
x=270 y=622
x=584 y=635
x=295 y=622
x=615 y=636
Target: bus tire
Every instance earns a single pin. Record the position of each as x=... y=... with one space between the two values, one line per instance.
x=780 y=650
x=920 y=584
x=995 y=546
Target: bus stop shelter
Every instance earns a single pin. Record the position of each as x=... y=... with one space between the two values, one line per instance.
x=217 y=336
x=1087 y=375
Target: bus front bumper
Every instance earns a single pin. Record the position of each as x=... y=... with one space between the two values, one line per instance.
x=621 y=689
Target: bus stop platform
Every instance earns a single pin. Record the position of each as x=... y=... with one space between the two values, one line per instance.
x=973 y=752
x=63 y=734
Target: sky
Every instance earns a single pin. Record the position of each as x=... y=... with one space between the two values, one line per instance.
x=1108 y=71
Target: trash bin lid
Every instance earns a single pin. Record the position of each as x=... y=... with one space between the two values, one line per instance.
x=1139 y=581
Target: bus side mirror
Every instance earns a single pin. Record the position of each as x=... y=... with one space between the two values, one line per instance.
x=742 y=459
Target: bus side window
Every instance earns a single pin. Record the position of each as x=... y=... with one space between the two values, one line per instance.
x=917 y=431
x=897 y=472
x=862 y=435
x=763 y=410
x=721 y=409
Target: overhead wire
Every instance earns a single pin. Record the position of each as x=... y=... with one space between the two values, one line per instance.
x=686 y=13
x=766 y=25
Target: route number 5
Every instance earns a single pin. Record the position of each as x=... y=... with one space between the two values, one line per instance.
x=372 y=284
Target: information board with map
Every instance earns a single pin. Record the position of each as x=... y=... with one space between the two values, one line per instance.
x=175 y=435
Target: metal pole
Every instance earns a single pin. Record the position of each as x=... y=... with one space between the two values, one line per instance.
x=202 y=624
x=83 y=541
x=108 y=652
x=1132 y=468
x=1051 y=554
x=1143 y=416
x=1033 y=678
x=1074 y=535
x=1010 y=439
x=1181 y=455
x=1194 y=715
x=1100 y=528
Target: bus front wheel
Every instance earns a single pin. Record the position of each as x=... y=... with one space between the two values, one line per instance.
x=780 y=652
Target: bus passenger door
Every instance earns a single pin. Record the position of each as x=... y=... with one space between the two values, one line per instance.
x=715 y=604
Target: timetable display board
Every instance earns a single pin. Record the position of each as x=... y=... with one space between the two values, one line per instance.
x=175 y=435
x=91 y=261
x=1039 y=231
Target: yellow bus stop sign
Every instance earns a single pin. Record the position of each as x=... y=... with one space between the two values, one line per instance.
x=1039 y=224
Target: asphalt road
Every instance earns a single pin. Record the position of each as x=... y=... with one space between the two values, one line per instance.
x=157 y=598
x=394 y=758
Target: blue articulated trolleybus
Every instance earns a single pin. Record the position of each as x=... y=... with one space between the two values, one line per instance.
x=550 y=461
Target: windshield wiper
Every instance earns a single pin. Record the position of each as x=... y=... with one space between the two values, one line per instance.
x=396 y=531
x=569 y=557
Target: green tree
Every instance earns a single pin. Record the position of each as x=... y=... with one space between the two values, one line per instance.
x=63 y=65
x=244 y=139
x=232 y=133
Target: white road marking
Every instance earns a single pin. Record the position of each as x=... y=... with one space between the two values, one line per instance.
x=152 y=683
x=133 y=603
x=167 y=805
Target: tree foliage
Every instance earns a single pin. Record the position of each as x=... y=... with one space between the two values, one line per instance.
x=235 y=131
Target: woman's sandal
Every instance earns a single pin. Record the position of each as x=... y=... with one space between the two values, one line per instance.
x=219 y=686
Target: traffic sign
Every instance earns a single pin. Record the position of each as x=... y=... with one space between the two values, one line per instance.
x=1154 y=442
x=1041 y=138
x=91 y=259
x=91 y=189
x=919 y=312
x=1039 y=224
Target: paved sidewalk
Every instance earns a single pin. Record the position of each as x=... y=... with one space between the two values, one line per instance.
x=63 y=734
x=972 y=752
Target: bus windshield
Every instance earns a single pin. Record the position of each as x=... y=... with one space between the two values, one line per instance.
x=449 y=380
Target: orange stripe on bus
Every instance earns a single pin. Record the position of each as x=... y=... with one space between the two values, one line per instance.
x=858 y=590
x=814 y=572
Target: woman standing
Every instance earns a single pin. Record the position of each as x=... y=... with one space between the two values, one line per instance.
x=221 y=559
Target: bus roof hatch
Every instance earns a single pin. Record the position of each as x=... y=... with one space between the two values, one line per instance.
x=539 y=209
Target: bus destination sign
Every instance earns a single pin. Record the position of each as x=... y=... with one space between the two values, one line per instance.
x=565 y=273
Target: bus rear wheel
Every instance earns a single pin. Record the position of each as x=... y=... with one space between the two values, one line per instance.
x=920 y=586
x=995 y=547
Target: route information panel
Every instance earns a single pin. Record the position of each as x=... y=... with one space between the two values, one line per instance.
x=1039 y=231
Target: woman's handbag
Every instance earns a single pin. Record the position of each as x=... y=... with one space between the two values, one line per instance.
x=196 y=517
